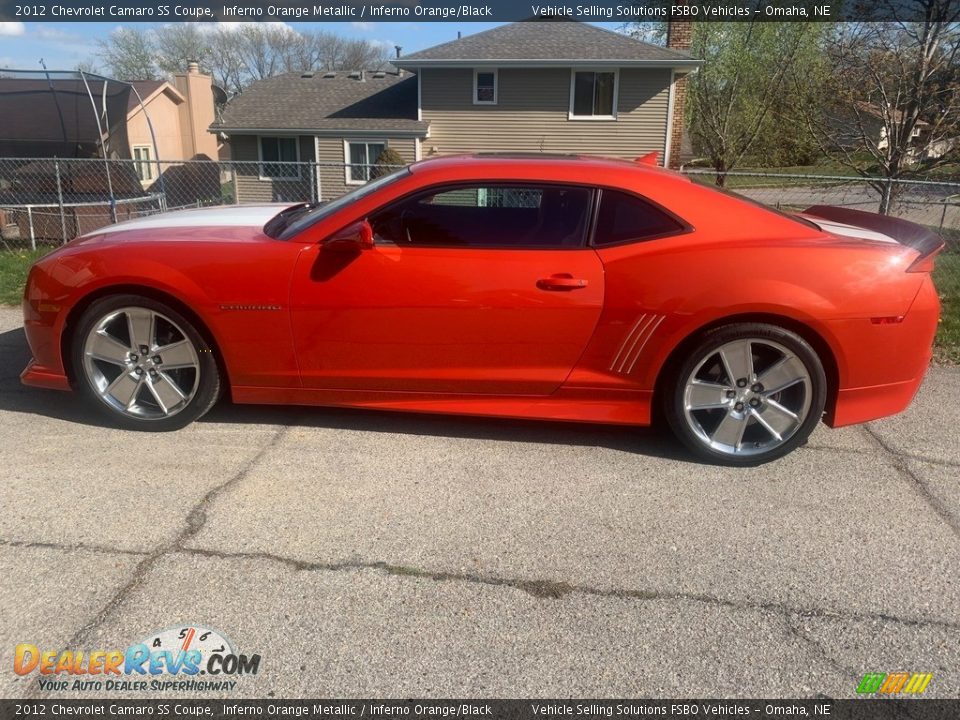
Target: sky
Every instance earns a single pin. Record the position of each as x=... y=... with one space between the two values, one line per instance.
x=63 y=45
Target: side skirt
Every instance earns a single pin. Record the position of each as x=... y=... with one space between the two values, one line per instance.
x=589 y=405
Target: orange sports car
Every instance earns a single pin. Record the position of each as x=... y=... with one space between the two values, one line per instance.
x=524 y=286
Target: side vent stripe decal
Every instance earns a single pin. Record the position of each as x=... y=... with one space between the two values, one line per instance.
x=626 y=339
x=644 y=343
x=634 y=342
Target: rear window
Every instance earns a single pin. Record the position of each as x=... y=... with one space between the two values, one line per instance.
x=624 y=218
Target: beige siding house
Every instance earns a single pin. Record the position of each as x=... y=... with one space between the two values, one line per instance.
x=168 y=122
x=537 y=86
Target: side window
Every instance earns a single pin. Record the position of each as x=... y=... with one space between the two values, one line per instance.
x=490 y=215
x=625 y=218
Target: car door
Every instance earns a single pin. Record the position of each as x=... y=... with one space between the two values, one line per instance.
x=486 y=288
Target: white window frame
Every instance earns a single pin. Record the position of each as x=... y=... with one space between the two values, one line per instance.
x=347 y=165
x=147 y=163
x=289 y=178
x=616 y=92
x=496 y=86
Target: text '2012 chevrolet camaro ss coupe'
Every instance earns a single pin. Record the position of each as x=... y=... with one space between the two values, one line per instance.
x=523 y=286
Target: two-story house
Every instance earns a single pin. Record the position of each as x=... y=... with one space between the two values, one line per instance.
x=535 y=86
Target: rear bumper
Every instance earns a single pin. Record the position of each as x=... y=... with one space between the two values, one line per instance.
x=36 y=375
x=859 y=405
x=886 y=363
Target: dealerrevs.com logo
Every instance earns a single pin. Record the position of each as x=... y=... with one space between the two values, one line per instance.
x=894 y=683
x=185 y=658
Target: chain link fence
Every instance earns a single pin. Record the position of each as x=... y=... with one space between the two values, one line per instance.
x=48 y=201
x=931 y=203
x=45 y=202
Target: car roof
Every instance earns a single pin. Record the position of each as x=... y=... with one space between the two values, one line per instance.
x=531 y=165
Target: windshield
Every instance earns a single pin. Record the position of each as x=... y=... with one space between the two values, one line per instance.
x=295 y=220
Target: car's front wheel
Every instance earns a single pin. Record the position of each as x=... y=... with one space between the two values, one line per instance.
x=746 y=393
x=142 y=364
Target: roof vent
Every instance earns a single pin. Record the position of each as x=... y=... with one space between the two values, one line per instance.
x=329 y=74
x=308 y=74
x=356 y=75
x=379 y=74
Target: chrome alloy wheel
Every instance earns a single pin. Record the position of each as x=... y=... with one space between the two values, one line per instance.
x=141 y=363
x=747 y=397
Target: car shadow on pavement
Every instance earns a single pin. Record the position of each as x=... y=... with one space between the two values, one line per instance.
x=15 y=397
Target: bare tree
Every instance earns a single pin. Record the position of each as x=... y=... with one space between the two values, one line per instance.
x=180 y=43
x=235 y=55
x=894 y=96
x=128 y=54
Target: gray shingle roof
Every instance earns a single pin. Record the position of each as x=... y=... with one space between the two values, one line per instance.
x=540 y=40
x=294 y=102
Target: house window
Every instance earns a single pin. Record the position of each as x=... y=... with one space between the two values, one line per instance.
x=484 y=87
x=593 y=94
x=279 y=157
x=142 y=165
x=361 y=156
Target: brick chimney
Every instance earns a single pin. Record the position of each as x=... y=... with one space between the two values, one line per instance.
x=679 y=36
x=197 y=113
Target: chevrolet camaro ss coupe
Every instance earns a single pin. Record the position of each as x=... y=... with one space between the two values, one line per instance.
x=522 y=286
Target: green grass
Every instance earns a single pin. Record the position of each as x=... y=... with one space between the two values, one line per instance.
x=14 y=265
x=946 y=276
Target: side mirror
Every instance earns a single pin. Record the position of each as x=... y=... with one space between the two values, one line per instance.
x=358 y=236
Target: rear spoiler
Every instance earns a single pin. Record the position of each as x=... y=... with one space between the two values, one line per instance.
x=922 y=239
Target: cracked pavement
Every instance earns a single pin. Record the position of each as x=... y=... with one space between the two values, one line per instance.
x=367 y=554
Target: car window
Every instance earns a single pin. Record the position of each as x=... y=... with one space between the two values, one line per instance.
x=304 y=216
x=488 y=215
x=626 y=218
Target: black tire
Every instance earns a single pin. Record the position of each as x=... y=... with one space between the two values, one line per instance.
x=704 y=359
x=199 y=386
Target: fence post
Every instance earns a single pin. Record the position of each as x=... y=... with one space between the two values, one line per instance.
x=236 y=184
x=33 y=239
x=63 y=219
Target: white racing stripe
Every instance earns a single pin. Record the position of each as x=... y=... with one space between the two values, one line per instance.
x=222 y=216
x=849 y=230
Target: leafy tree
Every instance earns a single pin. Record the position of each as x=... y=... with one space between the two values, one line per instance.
x=744 y=99
x=388 y=161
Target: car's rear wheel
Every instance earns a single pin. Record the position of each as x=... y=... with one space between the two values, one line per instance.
x=746 y=394
x=142 y=364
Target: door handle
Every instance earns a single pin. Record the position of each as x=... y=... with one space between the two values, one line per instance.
x=561 y=282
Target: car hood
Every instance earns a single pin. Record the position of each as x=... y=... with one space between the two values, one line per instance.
x=253 y=217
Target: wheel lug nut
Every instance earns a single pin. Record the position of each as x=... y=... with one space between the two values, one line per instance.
x=731 y=394
x=139 y=371
x=156 y=359
x=738 y=407
x=144 y=350
x=757 y=387
x=741 y=382
x=133 y=357
x=754 y=402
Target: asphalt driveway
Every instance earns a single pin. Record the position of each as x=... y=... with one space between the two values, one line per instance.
x=366 y=554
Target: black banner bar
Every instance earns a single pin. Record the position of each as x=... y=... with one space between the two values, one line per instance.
x=865 y=709
x=474 y=11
